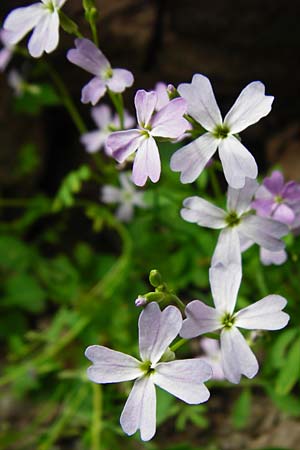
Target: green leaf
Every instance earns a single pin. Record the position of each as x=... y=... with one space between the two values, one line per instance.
x=24 y=291
x=279 y=349
x=241 y=410
x=71 y=185
x=14 y=254
x=290 y=372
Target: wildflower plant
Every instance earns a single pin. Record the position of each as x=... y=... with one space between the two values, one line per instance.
x=78 y=293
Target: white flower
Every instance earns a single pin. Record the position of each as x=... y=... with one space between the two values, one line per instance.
x=238 y=163
x=127 y=197
x=43 y=18
x=183 y=379
x=266 y=314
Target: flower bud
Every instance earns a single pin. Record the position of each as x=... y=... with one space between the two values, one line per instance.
x=155 y=278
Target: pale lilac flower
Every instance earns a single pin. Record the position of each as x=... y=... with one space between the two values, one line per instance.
x=265 y=314
x=107 y=123
x=212 y=355
x=87 y=56
x=183 y=379
x=126 y=196
x=239 y=224
x=43 y=18
x=238 y=163
x=161 y=90
x=140 y=301
x=6 y=53
x=168 y=122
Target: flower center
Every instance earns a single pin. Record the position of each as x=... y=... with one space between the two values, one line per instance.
x=107 y=73
x=146 y=132
x=221 y=131
x=146 y=367
x=50 y=6
x=232 y=219
x=228 y=321
x=278 y=199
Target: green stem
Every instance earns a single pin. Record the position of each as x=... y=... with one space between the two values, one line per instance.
x=97 y=415
x=118 y=103
x=178 y=344
x=215 y=183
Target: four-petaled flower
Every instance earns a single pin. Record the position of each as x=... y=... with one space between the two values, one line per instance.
x=43 y=17
x=168 y=122
x=183 y=379
x=238 y=163
x=87 y=56
x=265 y=314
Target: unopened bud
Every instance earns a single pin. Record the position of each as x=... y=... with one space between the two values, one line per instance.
x=140 y=301
x=155 y=278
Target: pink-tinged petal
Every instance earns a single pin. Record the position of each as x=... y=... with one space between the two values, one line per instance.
x=162 y=95
x=110 y=366
x=264 y=231
x=228 y=249
x=5 y=57
x=169 y=121
x=110 y=194
x=283 y=213
x=237 y=357
x=120 y=80
x=139 y=412
x=146 y=163
x=266 y=314
x=184 y=379
x=263 y=206
x=191 y=159
x=200 y=211
x=200 y=319
x=237 y=162
x=202 y=105
x=267 y=257
x=145 y=103
x=239 y=200
x=87 y=56
x=94 y=140
x=251 y=105
x=121 y=144
x=21 y=20
x=275 y=182
x=102 y=116
x=93 y=91
x=125 y=212
x=225 y=283
x=263 y=193
x=157 y=329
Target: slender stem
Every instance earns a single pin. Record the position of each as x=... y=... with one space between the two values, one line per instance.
x=178 y=344
x=97 y=415
x=215 y=183
x=118 y=103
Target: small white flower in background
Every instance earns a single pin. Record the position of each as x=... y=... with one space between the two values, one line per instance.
x=212 y=355
x=127 y=197
x=183 y=379
x=238 y=163
x=6 y=52
x=265 y=314
x=238 y=223
x=16 y=82
x=107 y=123
x=43 y=18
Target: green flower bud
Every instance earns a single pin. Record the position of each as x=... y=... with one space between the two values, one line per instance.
x=155 y=278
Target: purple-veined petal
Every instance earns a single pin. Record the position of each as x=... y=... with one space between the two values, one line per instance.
x=87 y=56
x=111 y=194
x=225 y=283
x=93 y=140
x=120 y=80
x=274 y=183
x=21 y=20
x=200 y=319
x=123 y=143
x=228 y=250
x=139 y=412
x=237 y=162
x=200 y=211
x=93 y=91
x=110 y=366
x=291 y=192
x=264 y=231
x=237 y=357
x=102 y=116
x=157 y=329
x=145 y=103
x=251 y=105
x=239 y=200
x=202 y=105
x=191 y=159
x=267 y=257
x=146 y=163
x=283 y=213
x=266 y=314
x=184 y=379
x=169 y=121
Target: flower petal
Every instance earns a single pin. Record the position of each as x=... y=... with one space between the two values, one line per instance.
x=45 y=35
x=200 y=211
x=123 y=143
x=274 y=183
x=120 y=80
x=111 y=194
x=202 y=105
x=145 y=103
x=237 y=162
x=169 y=121
x=200 y=319
x=239 y=200
x=125 y=212
x=140 y=409
x=93 y=140
x=184 y=379
x=264 y=231
x=266 y=314
x=228 y=249
x=87 y=56
x=102 y=116
x=283 y=213
x=251 y=105
x=21 y=20
x=110 y=366
x=267 y=257
x=93 y=91
x=237 y=357
x=162 y=95
x=157 y=329
x=146 y=163
x=225 y=283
